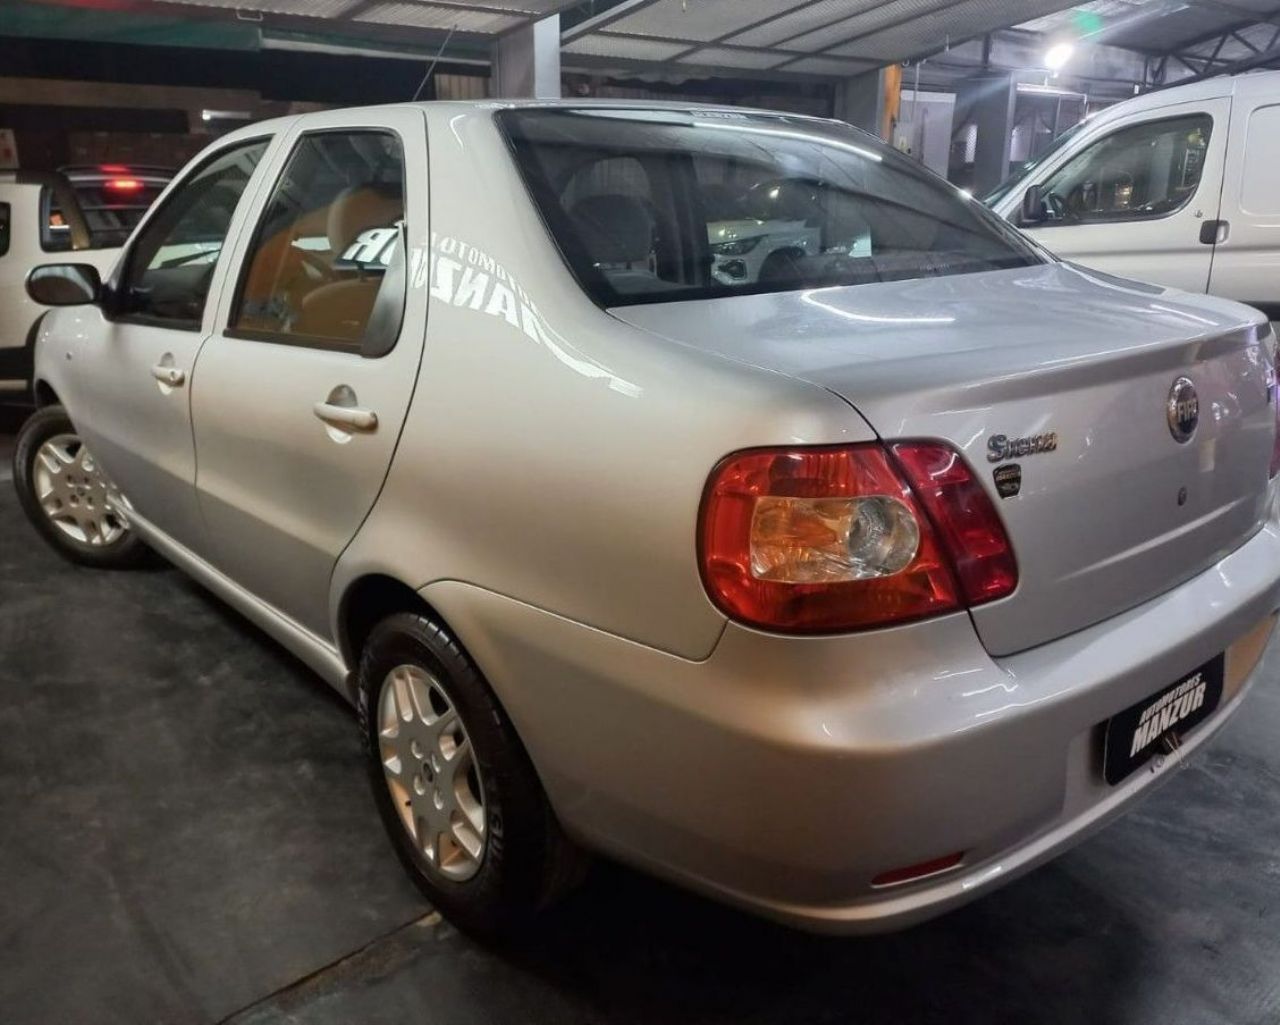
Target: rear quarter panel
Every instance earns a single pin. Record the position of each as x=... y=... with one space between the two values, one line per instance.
x=553 y=454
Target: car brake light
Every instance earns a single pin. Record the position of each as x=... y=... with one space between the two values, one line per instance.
x=967 y=522
x=123 y=184
x=823 y=540
x=820 y=540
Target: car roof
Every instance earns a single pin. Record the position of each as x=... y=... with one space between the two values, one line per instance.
x=570 y=103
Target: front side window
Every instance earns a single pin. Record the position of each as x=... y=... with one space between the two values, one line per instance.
x=1139 y=173
x=329 y=233
x=656 y=206
x=171 y=265
x=4 y=228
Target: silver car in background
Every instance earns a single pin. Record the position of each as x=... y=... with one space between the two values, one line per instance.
x=845 y=590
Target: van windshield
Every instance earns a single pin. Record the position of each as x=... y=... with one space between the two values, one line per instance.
x=1027 y=166
x=665 y=205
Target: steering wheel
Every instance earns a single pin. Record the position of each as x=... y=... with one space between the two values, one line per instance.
x=1057 y=206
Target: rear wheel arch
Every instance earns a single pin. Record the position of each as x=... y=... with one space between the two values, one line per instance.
x=368 y=601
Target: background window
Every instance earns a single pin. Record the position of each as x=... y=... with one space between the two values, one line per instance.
x=4 y=228
x=1149 y=170
x=327 y=236
x=172 y=263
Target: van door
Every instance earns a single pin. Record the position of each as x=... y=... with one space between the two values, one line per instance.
x=302 y=391
x=1141 y=198
x=1246 y=263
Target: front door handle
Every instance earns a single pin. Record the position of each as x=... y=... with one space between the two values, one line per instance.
x=171 y=376
x=348 y=418
x=1214 y=233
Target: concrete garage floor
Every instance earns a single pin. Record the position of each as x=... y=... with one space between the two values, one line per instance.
x=185 y=836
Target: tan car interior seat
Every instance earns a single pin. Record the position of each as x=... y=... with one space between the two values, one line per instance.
x=340 y=308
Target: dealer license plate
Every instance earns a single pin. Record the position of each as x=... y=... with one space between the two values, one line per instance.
x=1140 y=731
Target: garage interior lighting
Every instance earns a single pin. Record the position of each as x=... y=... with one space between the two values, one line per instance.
x=225 y=115
x=1058 y=55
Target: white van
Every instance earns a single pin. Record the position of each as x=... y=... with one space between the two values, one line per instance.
x=1180 y=187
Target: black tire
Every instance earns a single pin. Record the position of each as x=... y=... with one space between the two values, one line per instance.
x=125 y=552
x=527 y=861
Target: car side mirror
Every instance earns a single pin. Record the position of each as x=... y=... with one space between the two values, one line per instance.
x=64 y=284
x=1033 y=205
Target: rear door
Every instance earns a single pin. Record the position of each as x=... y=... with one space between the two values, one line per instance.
x=136 y=374
x=1246 y=265
x=301 y=393
x=1139 y=198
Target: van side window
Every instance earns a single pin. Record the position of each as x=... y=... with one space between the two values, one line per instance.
x=4 y=228
x=1138 y=173
x=327 y=237
x=172 y=262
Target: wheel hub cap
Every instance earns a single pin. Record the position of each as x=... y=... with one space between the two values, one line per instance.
x=77 y=497
x=431 y=772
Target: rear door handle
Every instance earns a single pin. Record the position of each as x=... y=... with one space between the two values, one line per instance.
x=347 y=417
x=171 y=376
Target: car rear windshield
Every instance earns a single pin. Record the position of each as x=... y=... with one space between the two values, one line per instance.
x=659 y=206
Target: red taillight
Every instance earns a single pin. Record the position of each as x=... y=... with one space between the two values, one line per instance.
x=966 y=520
x=123 y=184
x=823 y=540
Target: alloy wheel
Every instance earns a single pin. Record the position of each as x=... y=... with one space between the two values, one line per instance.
x=431 y=771
x=76 y=496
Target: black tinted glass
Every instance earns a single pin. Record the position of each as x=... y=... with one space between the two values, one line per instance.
x=327 y=238
x=655 y=206
x=172 y=262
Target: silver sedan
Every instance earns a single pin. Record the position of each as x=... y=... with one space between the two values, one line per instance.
x=843 y=585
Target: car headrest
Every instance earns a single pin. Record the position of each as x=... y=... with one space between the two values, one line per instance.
x=614 y=229
x=356 y=209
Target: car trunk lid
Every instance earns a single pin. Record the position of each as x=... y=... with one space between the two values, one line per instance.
x=1074 y=371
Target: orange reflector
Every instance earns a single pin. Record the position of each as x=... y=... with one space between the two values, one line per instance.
x=896 y=876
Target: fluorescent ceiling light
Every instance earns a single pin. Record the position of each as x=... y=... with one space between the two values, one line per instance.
x=1058 y=56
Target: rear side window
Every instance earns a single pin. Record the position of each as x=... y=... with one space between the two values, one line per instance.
x=657 y=206
x=172 y=262
x=55 y=232
x=328 y=235
x=4 y=228
x=1134 y=174
x=1258 y=192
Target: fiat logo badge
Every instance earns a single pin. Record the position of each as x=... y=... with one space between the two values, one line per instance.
x=1183 y=410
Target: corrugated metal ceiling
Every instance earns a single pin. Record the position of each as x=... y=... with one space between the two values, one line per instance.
x=841 y=37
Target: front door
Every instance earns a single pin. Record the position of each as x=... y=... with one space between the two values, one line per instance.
x=301 y=394
x=137 y=372
x=1141 y=199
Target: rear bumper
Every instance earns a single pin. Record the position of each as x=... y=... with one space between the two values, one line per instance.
x=784 y=774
